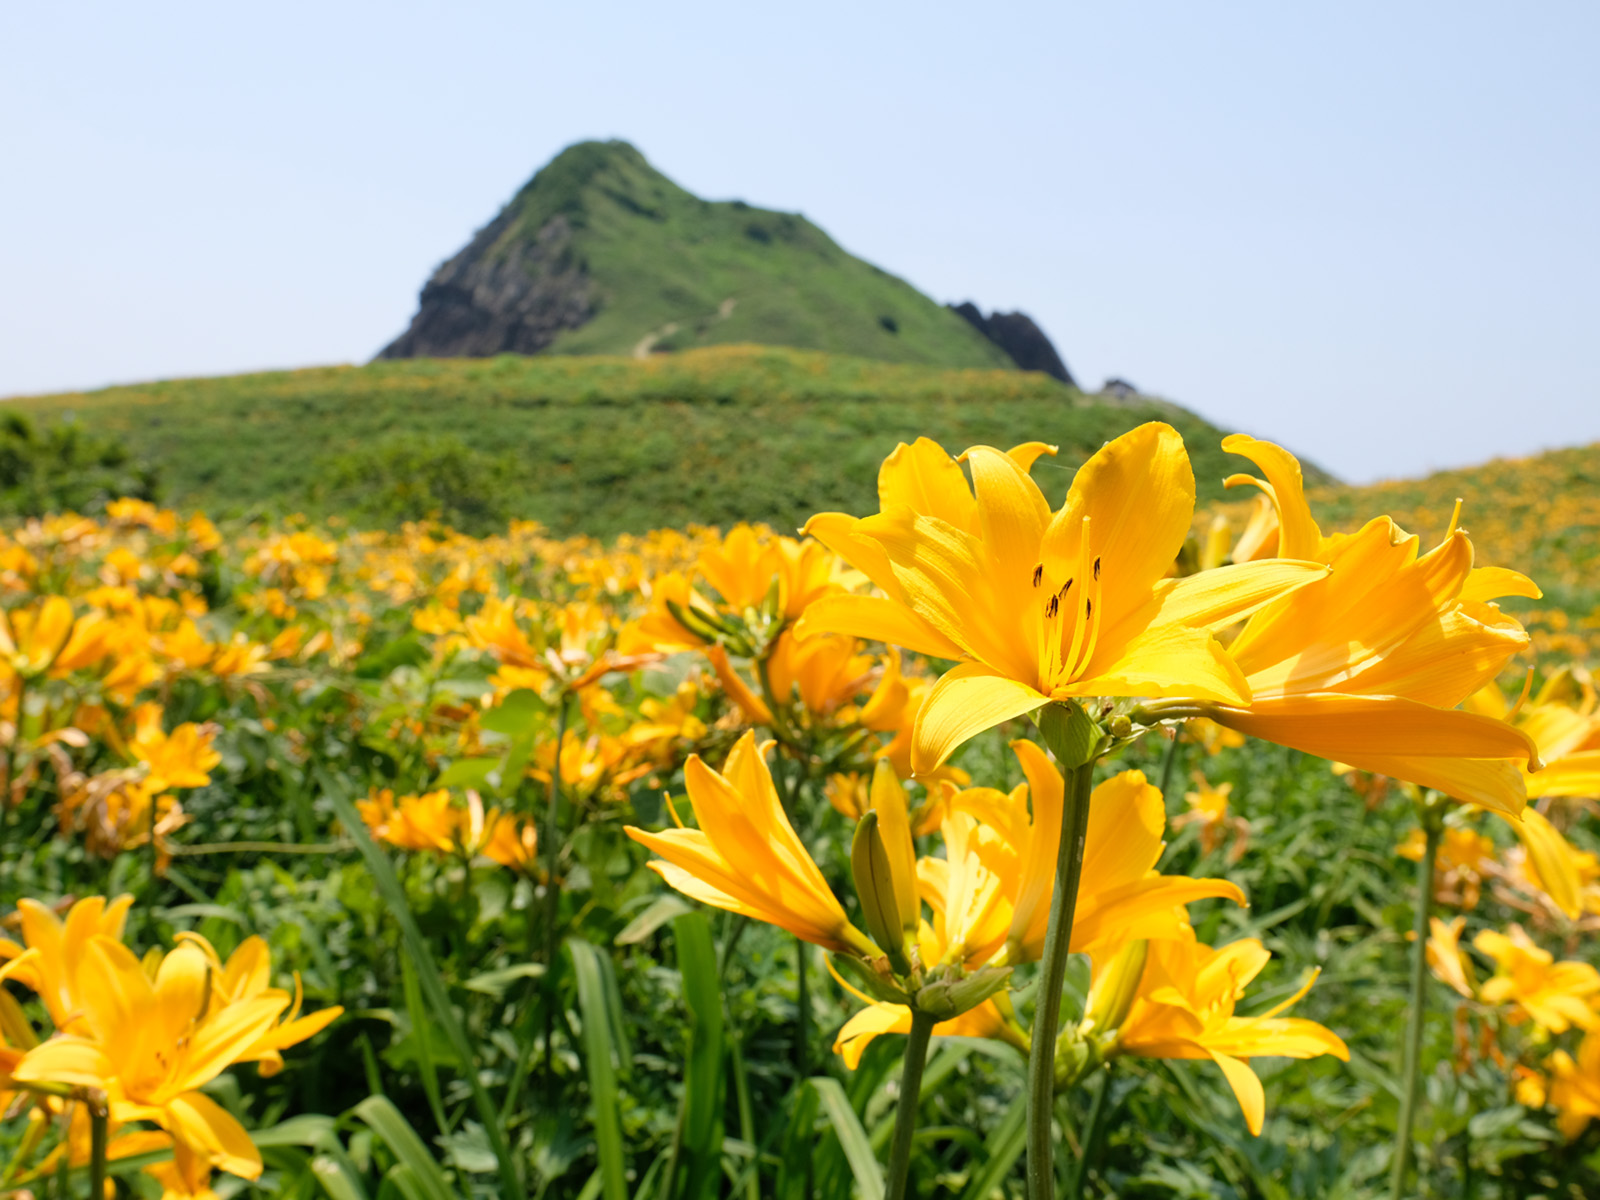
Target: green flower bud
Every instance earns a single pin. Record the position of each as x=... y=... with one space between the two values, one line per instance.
x=875 y=887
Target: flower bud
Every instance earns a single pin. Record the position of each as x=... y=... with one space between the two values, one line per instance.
x=875 y=887
x=1113 y=992
x=951 y=996
x=894 y=827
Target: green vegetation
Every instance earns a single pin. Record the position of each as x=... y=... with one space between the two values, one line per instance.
x=56 y=465
x=597 y=445
x=680 y=271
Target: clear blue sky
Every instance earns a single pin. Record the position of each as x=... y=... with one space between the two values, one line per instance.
x=1370 y=230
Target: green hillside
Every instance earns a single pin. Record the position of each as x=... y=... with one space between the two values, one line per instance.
x=602 y=254
x=593 y=445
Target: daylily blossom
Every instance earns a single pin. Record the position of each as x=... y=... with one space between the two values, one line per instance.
x=1183 y=1007
x=1554 y=995
x=1366 y=665
x=1041 y=605
x=1575 y=1086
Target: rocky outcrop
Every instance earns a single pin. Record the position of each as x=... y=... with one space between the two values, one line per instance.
x=1018 y=336
x=501 y=295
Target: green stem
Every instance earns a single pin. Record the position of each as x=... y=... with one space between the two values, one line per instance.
x=552 y=904
x=802 y=1033
x=1052 y=971
x=1093 y=1128
x=905 y=1109
x=97 y=1148
x=1432 y=829
x=1170 y=760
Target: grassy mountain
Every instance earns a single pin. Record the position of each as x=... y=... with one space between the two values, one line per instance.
x=602 y=254
x=594 y=445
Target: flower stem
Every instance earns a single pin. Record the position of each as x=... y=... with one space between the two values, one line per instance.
x=552 y=905
x=905 y=1109
x=1052 y=971
x=98 y=1115
x=1412 y=1070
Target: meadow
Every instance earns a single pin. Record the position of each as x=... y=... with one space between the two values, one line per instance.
x=452 y=864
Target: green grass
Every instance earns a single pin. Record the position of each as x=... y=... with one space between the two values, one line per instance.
x=688 y=272
x=604 y=445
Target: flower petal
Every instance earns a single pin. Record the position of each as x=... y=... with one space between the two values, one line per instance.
x=1298 y=535
x=967 y=700
x=876 y=619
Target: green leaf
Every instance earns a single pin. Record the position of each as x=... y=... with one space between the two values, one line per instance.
x=496 y=983
x=420 y=1031
x=853 y=1138
x=337 y=1178
x=424 y=1180
x=1002 y=1148
x=516 y=714
x=598 y=1050
x=433 y=989
x=651 y=919
x=468 y=773
x=702 y=1075
x=309 y=1129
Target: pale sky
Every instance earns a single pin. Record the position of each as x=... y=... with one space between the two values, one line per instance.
x=1369 y=230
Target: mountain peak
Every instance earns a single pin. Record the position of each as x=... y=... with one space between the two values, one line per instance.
x=600 y=253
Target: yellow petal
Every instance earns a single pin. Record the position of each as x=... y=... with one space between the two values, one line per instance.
x=1490 y=583
x=1217 y=598
x=1446 y=660
x=1571 y=775
x=924 y=478
x=76 y=1061
x=1012 y=515
x=1246 y=1087
x=1553 y=862
x=207 y=1128
x=871 y=1022
x=1389 y=735
x=1166 y=660
x=1036 y=876
x=967 y=700
x=840 y=533
x=1138 y=491
x=1026 y=454
x=1298 y=535
x=875 y=619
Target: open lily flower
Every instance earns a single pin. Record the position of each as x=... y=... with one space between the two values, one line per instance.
x=1575 y=1086
x=1183 y=1007
x=1121 y=896
x=1366 y=665
x=58 y=948
x=746 y=857
x=1041 y=605
x=151 y=1042
x=1554 y=995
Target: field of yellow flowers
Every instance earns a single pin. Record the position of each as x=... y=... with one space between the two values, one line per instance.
x=999 y=843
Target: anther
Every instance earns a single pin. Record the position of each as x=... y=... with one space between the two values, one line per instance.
x=1052 y=607
x=1088 y=609
x=1097 y=568
x=1038 y=574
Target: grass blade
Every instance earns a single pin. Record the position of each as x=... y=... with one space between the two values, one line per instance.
x=702 y=1076
x=422 y=1176
x=598 y=1049
x=853 y=1138
x=336 y=1179
x=433 y=989
x=1003 y=1148
x=419 y=1031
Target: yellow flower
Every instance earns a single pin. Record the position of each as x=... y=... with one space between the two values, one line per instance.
x=151 y=1041
x=1445 y=956
x=180 y=759
x=1554 y=995
x=1564 y=723
x=746 y=857
x=881 y=1017
x=59 y=947
x=1121 y=896
x=247 y=976
x=1366 y=665
x=1042 y=605
x=1464 y=858
x=425 y=822
x=1184 y=1008
x=1575 y=1086
x=186 y=1177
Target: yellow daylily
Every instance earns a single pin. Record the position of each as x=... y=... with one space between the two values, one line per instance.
x=58 y=948
x=1041 y=605
x=746 y=857
x=1575 y=1086
x=1554 y=995
x=1121 y=896
x=1446 y=958
x=1183 y=1007
x=247 y=976
x=1366 y=665
x=151 y=1041
x=1564 y=722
